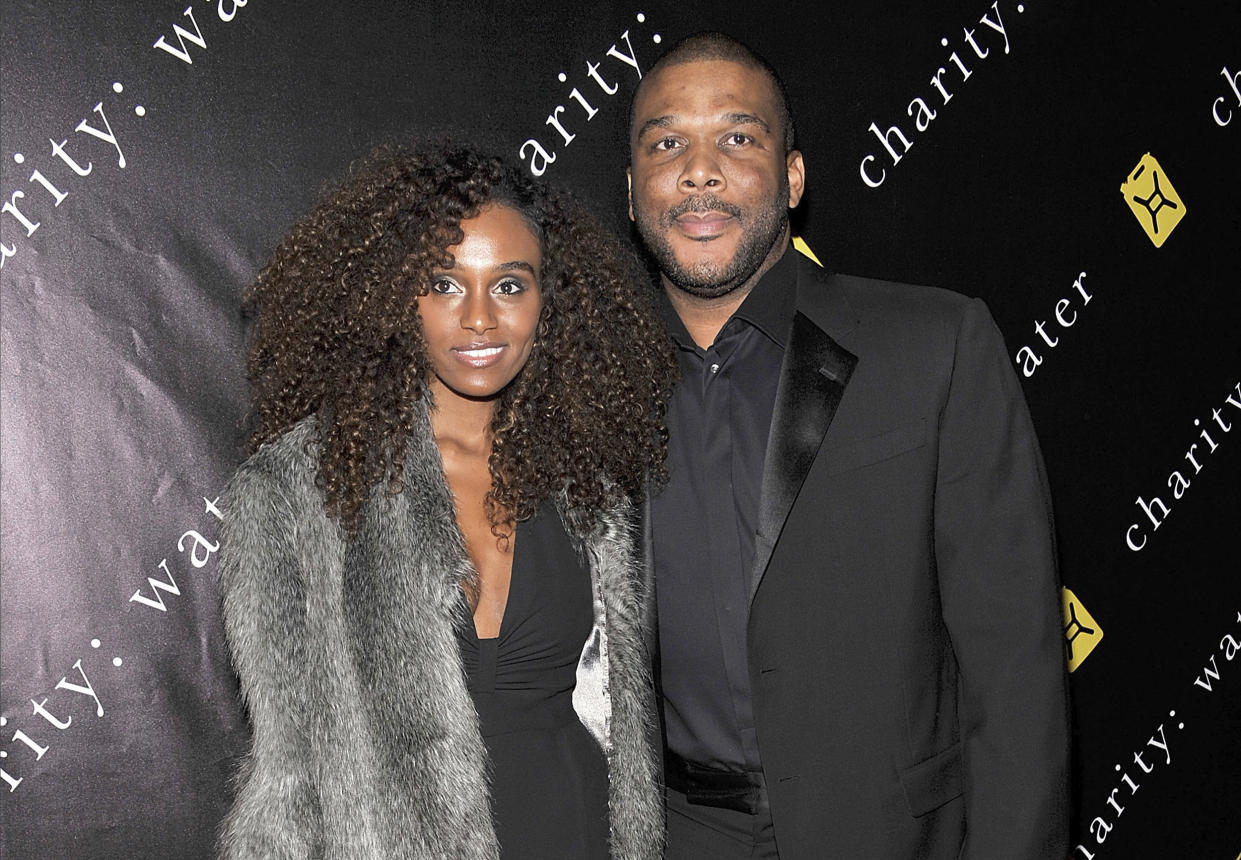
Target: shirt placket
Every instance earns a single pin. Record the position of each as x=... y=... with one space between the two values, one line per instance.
x=730 y=595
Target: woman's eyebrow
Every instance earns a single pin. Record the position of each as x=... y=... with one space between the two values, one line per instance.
x=516 y=265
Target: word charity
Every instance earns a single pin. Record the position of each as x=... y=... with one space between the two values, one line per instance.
x=1179 y=481
x=895 y=141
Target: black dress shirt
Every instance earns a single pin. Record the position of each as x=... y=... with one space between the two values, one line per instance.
x=705 y=520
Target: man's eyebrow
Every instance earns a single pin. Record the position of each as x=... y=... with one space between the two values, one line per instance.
x=655 y=122
x=517 y=265
x=748 y=119
x=732 y=118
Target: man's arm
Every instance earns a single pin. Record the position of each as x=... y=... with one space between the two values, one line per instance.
x=995 y=554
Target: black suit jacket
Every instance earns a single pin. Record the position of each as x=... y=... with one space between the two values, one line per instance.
x=904 y=638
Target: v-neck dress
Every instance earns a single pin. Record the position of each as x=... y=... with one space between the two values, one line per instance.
x=549 y=780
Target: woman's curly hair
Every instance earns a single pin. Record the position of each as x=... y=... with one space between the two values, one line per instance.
x=337 y=334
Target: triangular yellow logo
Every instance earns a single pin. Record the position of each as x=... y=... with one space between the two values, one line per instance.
x=1081 y=632
x=800 y=244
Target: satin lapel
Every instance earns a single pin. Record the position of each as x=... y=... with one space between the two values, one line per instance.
x=650 y=613
x=812 y=380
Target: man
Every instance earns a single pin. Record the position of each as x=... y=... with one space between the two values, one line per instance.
x=860 y=651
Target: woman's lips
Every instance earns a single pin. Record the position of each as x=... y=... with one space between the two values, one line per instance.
x=479 y=354
x=703 y=225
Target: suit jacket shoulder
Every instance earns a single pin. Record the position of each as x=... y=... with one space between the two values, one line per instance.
x=911 y=342
x=908 y=314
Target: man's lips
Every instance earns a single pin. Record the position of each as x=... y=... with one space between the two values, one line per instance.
x=699 y=225
x=479 y=354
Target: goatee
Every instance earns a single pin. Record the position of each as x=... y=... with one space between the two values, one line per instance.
x=761 y=230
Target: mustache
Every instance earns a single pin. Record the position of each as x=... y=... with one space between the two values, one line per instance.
x=703 y=203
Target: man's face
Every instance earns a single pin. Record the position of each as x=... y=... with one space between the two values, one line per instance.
x=710 y=185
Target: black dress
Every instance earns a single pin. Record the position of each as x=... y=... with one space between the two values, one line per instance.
x=549 y=780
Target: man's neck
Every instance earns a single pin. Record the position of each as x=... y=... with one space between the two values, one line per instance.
x=704 y=317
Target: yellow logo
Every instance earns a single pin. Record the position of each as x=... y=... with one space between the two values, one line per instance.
x=799 y=244
x=1081 y=632
x=1153 y=200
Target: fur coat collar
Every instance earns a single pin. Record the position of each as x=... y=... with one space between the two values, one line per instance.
x=366 y=743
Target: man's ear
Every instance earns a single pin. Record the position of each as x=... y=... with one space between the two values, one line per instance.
x=797 y=178
x=629 y=189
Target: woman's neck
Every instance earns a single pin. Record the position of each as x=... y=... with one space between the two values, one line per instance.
x=460 y=423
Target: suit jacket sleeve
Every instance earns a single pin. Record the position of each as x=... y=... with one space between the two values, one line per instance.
x=996 y=563
x=275 y=814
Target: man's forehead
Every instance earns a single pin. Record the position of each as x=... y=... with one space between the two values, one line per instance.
x=712 y=86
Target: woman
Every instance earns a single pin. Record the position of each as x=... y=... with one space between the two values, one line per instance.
x=428 y=563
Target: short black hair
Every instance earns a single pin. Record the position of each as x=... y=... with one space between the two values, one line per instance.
x=719 y=46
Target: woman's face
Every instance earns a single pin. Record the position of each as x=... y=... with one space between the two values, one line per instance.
x=479 y=317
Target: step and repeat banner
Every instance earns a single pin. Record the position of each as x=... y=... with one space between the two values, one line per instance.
x=1077 y=165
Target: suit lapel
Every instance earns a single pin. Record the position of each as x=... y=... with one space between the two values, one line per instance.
x=812 y=379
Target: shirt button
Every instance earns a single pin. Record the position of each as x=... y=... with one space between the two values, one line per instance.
x=715 y=368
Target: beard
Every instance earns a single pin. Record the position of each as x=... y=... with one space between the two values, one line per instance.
x=760 y=230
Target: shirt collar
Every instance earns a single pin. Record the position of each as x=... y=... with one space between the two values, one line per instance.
x=769 y=307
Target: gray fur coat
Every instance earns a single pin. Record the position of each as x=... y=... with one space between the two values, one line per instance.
x=366 y=743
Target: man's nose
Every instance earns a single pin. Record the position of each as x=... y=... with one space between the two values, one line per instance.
x=701 y=172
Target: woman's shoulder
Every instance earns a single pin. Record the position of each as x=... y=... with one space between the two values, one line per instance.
x=284 y=467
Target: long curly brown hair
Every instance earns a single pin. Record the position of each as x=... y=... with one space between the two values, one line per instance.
x=337 y=334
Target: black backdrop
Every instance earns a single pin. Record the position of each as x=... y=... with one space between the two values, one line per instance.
x=121 y=349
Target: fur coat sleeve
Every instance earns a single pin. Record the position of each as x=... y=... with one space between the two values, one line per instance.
x=276 y=812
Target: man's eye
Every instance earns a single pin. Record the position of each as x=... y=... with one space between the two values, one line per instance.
x=737 y=139
x=666 y=143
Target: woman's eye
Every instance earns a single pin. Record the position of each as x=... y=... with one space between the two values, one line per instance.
x=510 y=288
x=444 y=286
